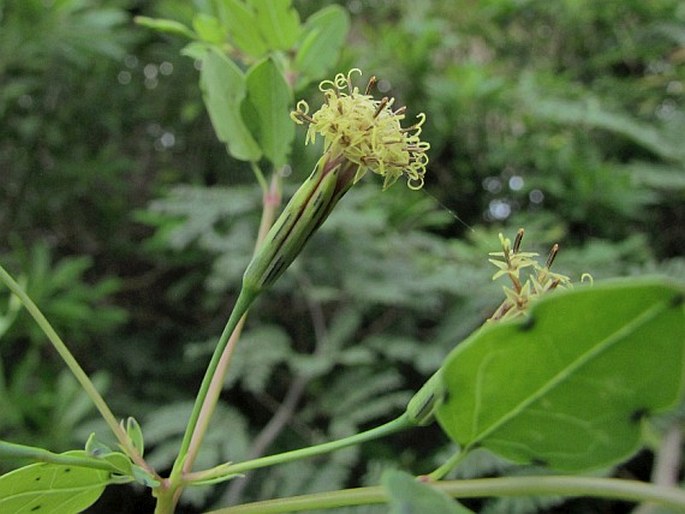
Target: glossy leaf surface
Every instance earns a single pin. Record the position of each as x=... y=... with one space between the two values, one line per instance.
x=567 y=387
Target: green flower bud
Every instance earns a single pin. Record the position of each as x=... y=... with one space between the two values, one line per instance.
x=423 y=405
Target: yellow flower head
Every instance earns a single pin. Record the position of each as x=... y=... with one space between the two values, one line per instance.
x=366 y=132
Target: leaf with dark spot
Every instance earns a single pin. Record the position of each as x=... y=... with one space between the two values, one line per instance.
x=51 y=488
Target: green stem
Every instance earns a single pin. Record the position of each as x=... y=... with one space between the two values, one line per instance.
x=241 y=306
x=20 y=451
x=567 y=486
x=205 y=402
x=449 y=465
x=75 y=368
x=388 y=428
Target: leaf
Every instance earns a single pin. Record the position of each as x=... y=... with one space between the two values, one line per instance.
x=567 y=387
x=223 y=88
x=240 y=21
x=164 y=25
x=278 y=23
x=209 y=28
x=408 y=496
x=270 y=98
x=51 y=488
x=135 y=434
x=324 y=34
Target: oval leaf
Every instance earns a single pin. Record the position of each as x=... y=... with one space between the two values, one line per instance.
x=270 y=97
x=567 y=387
x=223 y=87
x=51 y=488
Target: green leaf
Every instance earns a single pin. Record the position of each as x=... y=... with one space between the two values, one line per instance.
x=167 y=26
x=135 y=434
x=568 y=386
x=143 y=477
x=408 y=496
x=51 y=488
x=121 y=462
x=278 y=23
x=209 y=28
x=96 y=448
x=223 y=87
x=324 y=34
x=270 y=97
x=241 y=23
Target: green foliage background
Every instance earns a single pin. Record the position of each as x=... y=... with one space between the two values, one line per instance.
x=131 y=226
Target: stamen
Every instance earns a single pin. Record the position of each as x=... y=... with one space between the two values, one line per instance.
x=381 y=105
x=552 y=255
x=372 y=83
x=301 y=117
x=517 y=241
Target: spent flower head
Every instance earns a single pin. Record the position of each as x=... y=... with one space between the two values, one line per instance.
x=366 y=131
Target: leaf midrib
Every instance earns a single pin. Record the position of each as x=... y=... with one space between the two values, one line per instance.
x=561 y=376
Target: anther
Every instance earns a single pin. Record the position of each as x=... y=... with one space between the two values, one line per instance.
x=381 y=105
x=517 y=240
x=304 y=117
x=552 y=255
x=372 y=83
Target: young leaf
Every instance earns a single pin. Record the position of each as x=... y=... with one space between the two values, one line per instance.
x=567 y=386
x=241 y=22
x=51 y=488
x=278 y=23
x=223 y=87
x=270 y=97
x=408 y=496
x=323 y=36
x=135 y=434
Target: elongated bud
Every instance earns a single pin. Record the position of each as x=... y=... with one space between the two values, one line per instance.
x=306 y=210
x=422 y=406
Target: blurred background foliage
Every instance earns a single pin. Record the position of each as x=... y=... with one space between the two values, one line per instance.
x=130 y=225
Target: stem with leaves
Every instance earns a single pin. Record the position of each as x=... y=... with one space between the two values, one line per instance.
x=212 y=383
x=76 y=369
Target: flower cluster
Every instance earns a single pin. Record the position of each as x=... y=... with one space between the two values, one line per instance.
x=366 y=132
x=360 y=134
x=539 y=279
